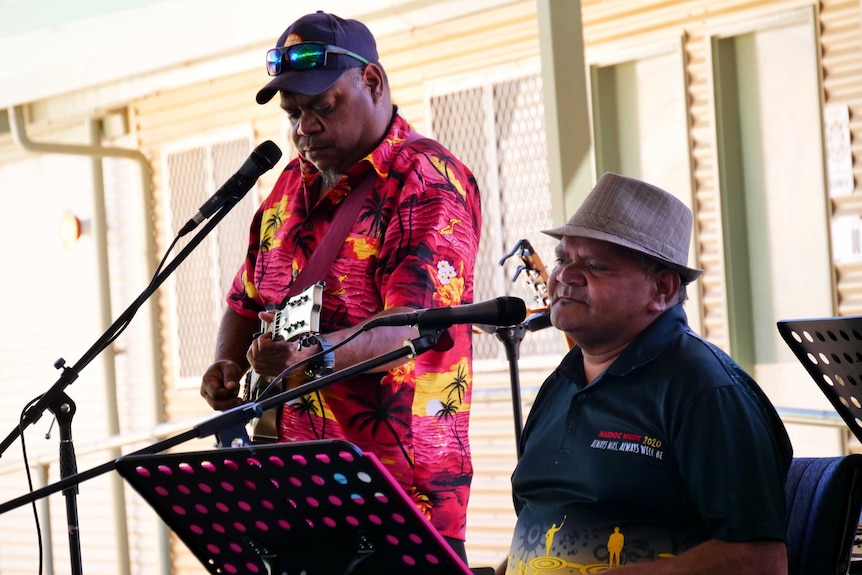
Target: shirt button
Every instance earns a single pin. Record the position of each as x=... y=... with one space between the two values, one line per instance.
x=295 y=273
x=308 y=226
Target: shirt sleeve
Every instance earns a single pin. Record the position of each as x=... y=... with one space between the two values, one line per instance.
x=733 y=464
x=430 y=244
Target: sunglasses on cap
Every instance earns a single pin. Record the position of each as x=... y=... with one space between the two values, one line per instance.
x=306 y=56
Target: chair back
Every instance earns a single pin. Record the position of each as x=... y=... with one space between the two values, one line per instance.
x=824 y=499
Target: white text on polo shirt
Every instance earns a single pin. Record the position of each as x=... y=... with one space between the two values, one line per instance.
x=628 y=443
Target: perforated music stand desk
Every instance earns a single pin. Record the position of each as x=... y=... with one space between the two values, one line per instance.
x=830 y=349
x=313 y=508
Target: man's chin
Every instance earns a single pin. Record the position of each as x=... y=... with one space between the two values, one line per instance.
x=565 y=322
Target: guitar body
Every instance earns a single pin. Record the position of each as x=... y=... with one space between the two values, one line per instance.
x=297 y=316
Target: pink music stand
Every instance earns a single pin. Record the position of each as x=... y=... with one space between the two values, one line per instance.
x=314 y=508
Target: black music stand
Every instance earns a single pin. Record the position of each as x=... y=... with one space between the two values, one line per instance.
x=830 y=349
x=312 y=508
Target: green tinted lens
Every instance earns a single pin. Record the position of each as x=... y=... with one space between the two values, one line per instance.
x=306 y=56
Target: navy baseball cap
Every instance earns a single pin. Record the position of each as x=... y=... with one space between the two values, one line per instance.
x=338 y=44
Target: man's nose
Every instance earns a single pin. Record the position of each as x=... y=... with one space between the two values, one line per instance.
x=569 y=274
x=307 y=125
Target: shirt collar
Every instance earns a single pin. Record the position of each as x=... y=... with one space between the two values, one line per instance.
x=652 y=341
x=644 y=348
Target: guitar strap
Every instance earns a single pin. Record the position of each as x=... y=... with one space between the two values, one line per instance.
x=320 y=260
x=322 y=257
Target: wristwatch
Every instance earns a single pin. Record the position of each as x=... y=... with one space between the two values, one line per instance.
x=323 y=365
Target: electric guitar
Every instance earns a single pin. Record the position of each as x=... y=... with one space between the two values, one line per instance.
x=298 y=315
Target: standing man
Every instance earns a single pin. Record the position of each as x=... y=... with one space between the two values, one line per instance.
x=412 y=245
x=661 y=453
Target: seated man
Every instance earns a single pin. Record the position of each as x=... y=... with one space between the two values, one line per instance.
x=648 y=449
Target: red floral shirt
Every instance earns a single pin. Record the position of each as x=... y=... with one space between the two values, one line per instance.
x=413 y=244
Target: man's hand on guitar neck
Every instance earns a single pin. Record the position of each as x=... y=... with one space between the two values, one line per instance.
x=269 y=357
x=237 y=348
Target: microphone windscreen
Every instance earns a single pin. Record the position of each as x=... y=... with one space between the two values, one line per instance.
x=512 y=310
x=537 y=321
x=269 y=154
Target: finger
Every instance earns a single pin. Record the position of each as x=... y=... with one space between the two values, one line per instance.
x=266 y=316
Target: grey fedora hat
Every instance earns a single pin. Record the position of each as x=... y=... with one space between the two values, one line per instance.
x=638 y=216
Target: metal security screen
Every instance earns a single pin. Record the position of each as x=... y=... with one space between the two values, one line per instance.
x=498 y=130
x=201 y=281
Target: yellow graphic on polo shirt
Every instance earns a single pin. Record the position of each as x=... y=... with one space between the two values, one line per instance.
x=615 y=547
x=552 y=565
x=549 y=535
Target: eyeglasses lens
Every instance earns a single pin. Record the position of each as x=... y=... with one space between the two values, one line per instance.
x=273 y=62
x=306 y=56
x=300 y=57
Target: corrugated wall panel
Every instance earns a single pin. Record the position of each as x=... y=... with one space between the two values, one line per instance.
x=707 y=204
x=841 y=38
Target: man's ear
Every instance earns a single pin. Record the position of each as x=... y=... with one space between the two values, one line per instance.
x=373 y=77
x=666 y=284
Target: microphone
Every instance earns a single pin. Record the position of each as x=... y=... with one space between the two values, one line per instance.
x=538 y=321
x=262 y=158
x=501 y=311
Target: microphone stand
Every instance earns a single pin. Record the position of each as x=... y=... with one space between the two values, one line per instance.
x=62 y=406
x=230 y=424
x=511 y=336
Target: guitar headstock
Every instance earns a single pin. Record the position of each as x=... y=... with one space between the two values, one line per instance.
x=532 y=266
x=300 y=314
x=537 y=278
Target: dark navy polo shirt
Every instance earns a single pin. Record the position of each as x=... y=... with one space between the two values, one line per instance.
x=672 y=445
